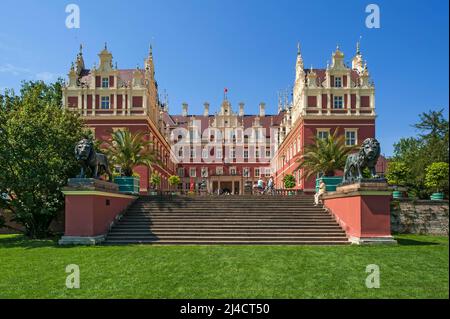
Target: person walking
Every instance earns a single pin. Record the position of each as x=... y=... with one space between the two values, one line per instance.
x=318 y=195
x=270 y=186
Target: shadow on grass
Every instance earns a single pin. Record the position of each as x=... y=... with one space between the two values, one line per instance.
x=414 y=242
x=21 y=241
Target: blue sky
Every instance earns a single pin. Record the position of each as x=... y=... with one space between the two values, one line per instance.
x=202 y=46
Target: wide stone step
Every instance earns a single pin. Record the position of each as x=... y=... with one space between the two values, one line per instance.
x=161 y=234
x=231 y=237
x=214 y=228
x=227 y=242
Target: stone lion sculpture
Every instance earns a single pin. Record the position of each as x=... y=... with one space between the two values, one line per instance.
x=87 y=157
x=357 y=162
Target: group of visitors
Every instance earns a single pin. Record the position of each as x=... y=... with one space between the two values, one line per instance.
x=265 y=187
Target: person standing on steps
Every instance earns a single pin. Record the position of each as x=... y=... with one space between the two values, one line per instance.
x=318 y=195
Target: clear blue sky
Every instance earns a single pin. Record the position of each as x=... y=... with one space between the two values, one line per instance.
x=202 y=46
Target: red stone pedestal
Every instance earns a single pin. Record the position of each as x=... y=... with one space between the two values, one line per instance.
x=92 y=206
x=363 y=211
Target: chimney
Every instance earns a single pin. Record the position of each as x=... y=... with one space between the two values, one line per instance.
x=262 y=109
x=184 y=109
x=241 y=109
x=206 y=109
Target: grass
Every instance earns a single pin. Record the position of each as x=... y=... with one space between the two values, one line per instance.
x=416 y=268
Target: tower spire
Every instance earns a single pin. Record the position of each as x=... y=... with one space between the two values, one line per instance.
x=150 y=51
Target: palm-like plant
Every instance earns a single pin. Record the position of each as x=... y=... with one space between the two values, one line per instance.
x=129 y=150
x=324 y=156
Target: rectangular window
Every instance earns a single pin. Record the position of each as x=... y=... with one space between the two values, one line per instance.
x=256 y=153
x=245 y=153
x=192 y=172
x=105 y=82
x=245 y=172
x=268 y=153
x=268 y=171
x=232 y=170
x=204 y=171
x=338 y=102
x=219 y=153
x=257 y=172
x=219 y=170
x=180 y=152
x=105 y=102
x=350 y=138
x=180 y=171
x=338 y=82
x=205 y=153
x=192 y=152
x=233 y=152
x=323 y=134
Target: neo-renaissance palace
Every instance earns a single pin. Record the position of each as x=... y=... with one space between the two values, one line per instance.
x=226 y=148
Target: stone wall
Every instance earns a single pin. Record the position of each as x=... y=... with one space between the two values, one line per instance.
x=420 y=217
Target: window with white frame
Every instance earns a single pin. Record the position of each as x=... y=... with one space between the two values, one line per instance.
x=350 y=137
x=257 y=153
x=338 y=82
x=192 y=172
x=268 y=152
x=268 y=171
x=233 y=170
x=219 y=153
x=192 y=152
x=323 y=134
x=233 y=152
x=245 y=154
x=180 y=152
x=204 y=172
x=105 y=102
x=257 y=172
x=246 y=172
x=219 y=170
x=180 y=171
x=338 y=102
x=105 y=82
x=205 y=153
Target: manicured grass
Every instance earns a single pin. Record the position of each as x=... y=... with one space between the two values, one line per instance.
x=416 y=268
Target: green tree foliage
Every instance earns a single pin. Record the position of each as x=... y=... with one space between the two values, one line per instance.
x=289 y=181
x=398 y=173
x=155 y=179
x=436 y=177
x=36 y=154
x=128 y=150
x=174 y=180
x=417 y=153
x=324 y=156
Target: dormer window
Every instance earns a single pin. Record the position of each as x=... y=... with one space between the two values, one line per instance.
x=105 y=82
x=338 y=82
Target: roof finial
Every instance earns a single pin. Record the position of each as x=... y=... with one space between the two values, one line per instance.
x=116 y=65
x=106 y=47
x=358 y=49
x=81 y=48
x=298 y=48
x=150 y=51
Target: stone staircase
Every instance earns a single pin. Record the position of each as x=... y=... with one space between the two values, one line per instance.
x=289 y=220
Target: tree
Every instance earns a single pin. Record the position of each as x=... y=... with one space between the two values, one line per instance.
x=36 y=154
x=436 y=177
x=325 y=156
x=155 y=179
x=417 y=153
x=174 y=180
x=129 y=150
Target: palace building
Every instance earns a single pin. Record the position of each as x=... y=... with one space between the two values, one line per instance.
x=228 y=149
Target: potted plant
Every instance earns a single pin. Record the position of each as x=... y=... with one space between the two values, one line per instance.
x=128 y=151
x=323 y=158
x=174 y=180
x=397 y=175
x=289 y=182
x=155 y=181
x=436 y=179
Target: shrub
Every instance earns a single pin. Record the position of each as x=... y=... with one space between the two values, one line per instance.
x=174 y=180
x=289 y=181
x=436 y=176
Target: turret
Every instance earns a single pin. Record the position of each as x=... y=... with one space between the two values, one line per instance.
x=357 y=62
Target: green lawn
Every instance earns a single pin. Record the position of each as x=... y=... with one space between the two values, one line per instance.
x=416 y=268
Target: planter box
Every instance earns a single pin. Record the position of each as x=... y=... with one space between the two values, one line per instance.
x=397 y=194
x=437 y=196
x=128 y=185
x=331 y=183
